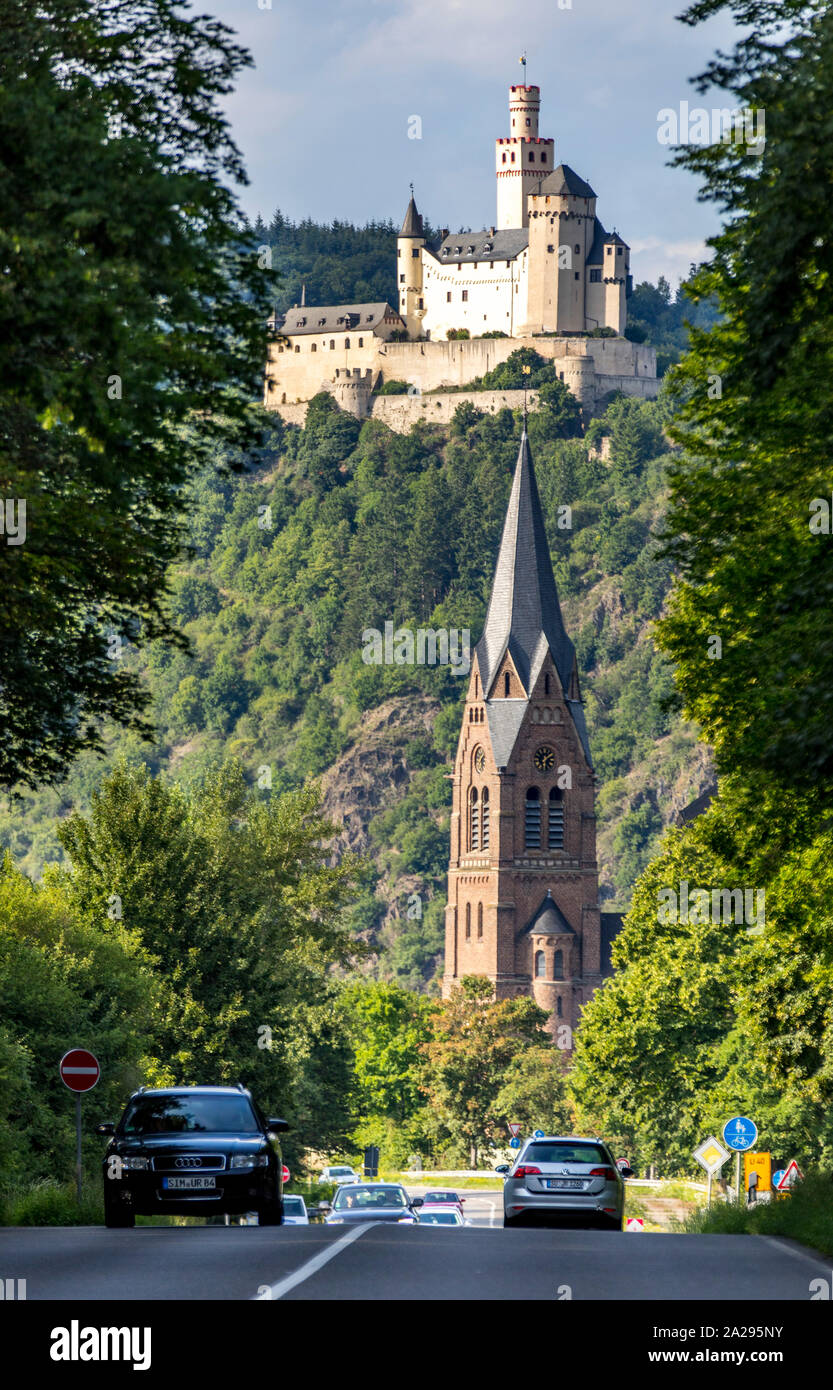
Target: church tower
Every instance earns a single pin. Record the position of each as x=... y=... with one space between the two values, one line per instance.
x=523 y=904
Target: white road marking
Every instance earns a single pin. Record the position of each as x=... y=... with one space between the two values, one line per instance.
x=312 y=1266
x=815 y=1261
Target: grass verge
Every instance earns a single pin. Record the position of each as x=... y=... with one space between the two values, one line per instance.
x=805 y=1215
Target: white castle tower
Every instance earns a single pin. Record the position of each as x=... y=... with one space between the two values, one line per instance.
x=409 y=246
x=522 y=158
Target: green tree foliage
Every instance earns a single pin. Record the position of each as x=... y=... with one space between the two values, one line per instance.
x=134 y=307
x=388 y=1027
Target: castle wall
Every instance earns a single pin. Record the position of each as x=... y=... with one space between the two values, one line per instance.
x=495 y=295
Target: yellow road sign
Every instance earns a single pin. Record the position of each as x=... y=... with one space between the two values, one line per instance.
x=760 y=1164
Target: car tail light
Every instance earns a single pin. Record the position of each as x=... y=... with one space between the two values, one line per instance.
x=606 y=1173
x=524 y=1171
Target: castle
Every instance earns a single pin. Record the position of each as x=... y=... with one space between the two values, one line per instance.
x=546 y=275
x=523 y=893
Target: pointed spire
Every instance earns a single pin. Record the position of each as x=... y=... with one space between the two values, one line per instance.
x=524 y=616
x=412 y=226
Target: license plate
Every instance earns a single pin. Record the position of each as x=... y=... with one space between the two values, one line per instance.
x=196 y=1184
x=565 y=1184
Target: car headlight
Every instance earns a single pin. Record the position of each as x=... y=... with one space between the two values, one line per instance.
x=135 y=1163
x=250 y=1161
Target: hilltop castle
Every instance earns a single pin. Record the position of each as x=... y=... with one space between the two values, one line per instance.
x=523 y=891
x=547 y=275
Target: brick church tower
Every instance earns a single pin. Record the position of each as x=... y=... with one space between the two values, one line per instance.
x=523 y=906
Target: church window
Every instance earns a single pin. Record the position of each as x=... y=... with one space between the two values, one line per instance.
x=532 y=819
x=547 y=683
x=468 y=921
x=595 y=277
x=578 y=249
x=506 y=682
x=465 y=296
x=484 y=818
x=558 y=966
x=480 y=921
x=540 y=965
x=558 y=1007
x=555 y=823
x=474 y=821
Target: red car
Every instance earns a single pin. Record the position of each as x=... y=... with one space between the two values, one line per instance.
x=444 y=1198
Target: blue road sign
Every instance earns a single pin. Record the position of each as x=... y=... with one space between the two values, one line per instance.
x=740 y=1133
x=776 y=1178
x=514 y=1143
x=539 y=1134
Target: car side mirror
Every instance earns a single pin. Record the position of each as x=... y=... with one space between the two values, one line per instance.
x=462 y=1199
x=277 y=1126
x=625 y=1169
x=107 y=1128
x=502 y=1168
x=418 y=1202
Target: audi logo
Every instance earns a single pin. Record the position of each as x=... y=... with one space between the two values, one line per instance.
x=188 y=1163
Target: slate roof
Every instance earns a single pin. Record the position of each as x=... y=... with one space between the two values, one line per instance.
x=335 y=318
x=487 y=245
x=524 y=615
x=549 y=920
x=601 y=238
x=412 y=226
x=563 y=180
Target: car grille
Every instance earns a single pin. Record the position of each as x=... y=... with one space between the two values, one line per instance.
x=188 y=1163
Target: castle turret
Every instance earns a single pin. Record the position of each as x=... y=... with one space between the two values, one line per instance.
x=522 y=159
x=409 y=270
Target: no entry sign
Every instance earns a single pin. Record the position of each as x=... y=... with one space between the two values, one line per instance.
x=79 y=1070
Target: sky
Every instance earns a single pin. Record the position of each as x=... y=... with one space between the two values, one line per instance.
x=323 y=118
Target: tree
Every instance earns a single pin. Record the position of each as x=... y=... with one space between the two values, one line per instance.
x=534 y=1092
x=475 y=1039
x=132 y=339
x=388 y=1027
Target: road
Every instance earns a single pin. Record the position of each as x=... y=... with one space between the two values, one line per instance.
x=384 y=1262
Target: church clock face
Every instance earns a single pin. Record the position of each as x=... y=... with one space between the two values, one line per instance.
x=544 y=759
x=479 y=760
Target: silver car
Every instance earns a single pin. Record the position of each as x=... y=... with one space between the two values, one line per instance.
x=558 y=1178
x=295 y=1211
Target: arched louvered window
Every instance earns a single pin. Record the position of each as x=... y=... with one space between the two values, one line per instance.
x=480 y=921
x=555 y=823
x=468 y=921
x=484 y=818
x=532 y=819
x=558 y=966
x=540 y=965
x=474 y=821
x=558 y=1007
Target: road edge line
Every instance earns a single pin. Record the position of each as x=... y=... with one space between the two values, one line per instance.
x=312 y=1266
x=801 y=1252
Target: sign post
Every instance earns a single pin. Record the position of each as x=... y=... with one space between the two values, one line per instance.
x=711 y=1155
x=79 y=1071
x=740 y=1134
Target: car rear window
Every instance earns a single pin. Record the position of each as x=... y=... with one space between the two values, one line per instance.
x=438 y=1218
x=293 y=1206
x=565 y=1153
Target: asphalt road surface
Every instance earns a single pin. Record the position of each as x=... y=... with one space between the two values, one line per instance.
x=389 y=1262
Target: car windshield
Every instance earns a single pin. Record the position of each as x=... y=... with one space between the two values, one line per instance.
x=293 y=1206
x=340 y=1172
x=189 y=1114
x=564 y=1152
x=369 y=1198
x=441 y=1197
x=438 y=1218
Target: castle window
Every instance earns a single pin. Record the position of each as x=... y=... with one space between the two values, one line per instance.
x=332 y=343
x=513 y=156
x=465 y=296
x=468 y=921
x=550 y=248
x=346 y=342
x=414 y=253
x=480 y=921
x=555 y=823
x=448 y=296
x=531 y=156
x=508 y=264
x=576 y=276
x=313 y=347
x=297 y=347
x=504 y=156
x=558 y=966
x=618 y=250
x=610 y=250
x=361 y=340
x=578 y=249
x=474 y=821
x=532 y=819
x=595 y=277
x=540 y=965
x=527 y=120
x=402 y=279
x=321 y=322
x=421 y=304
x=484 y=818
x=558 y=1007
x=543 y=157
